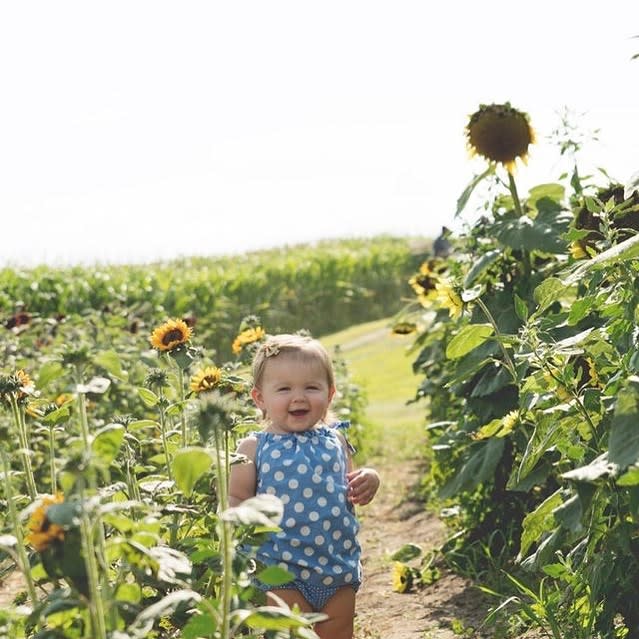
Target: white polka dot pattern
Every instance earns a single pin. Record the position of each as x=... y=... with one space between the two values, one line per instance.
x=308 y=473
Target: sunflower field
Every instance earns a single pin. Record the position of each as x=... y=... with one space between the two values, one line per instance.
x=527 y=345
x=123 y=391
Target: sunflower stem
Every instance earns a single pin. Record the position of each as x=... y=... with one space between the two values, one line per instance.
x=508 y=362
x=182 y=414
x=513 y=191
x=96 y=607
x=23 y=562
x=25 y=451
x=226 y=538
x=52 y=474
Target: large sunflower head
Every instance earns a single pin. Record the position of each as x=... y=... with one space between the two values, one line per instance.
x=500 y=133
x=170 y=335
x=206 y=379
x=42 y=532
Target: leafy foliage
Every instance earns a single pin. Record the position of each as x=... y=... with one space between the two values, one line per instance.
x=534 y=401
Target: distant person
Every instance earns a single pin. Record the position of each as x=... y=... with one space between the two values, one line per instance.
x=441 y=246
x=302 y=457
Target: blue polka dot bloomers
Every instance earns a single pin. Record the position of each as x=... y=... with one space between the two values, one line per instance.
x=318 y=541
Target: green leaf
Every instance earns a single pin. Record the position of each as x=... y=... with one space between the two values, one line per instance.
x=189 y=464
x=623 y=443
x=261 y=510
x=543 y=193
x=481 y=266
x=57 y=416
x=275 y=576
x=468 y=191
x=148 y=397
x=538 y=522
x=276 y=618
x=596 y=469
x=469 y=337
x=629 y=478
x=49 y=372
x=580 y=308
x=569 y=514
x=521 y=308
x=200 y=625
x=543 y=233
x=549 y=291
x=140 y=424
x=130 y=592
x=479 y=467
x=110 y=361
x=407 y=552
x=143 y=623
x=106 y=443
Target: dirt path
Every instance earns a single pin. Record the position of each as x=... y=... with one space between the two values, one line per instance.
x=448 y=609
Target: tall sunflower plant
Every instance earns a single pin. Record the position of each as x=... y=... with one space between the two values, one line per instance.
x=527 y=350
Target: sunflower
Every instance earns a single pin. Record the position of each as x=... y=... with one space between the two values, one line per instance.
x=42 y=533
x=170 y=335
x=206 y=379
x=500 y=133
x=246 y=337
x=508 y=423
x=450 y=299
x=402 y=577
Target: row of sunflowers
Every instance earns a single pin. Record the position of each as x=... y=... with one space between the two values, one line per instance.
x=527 y=341
x=115 y=457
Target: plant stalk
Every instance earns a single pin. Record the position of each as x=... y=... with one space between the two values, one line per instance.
x=23 y=564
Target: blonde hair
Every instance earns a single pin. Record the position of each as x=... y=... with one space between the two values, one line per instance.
x=301 y=347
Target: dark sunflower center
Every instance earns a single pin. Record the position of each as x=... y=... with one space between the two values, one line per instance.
x=172 y=336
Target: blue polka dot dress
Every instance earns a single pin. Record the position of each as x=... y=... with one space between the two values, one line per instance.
x=307 y=471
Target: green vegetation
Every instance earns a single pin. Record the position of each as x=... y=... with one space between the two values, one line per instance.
x=379 y=363
x=323 y=288
x=119 y=412
x=527 y=338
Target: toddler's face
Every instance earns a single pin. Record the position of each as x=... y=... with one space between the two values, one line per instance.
x=295 y=394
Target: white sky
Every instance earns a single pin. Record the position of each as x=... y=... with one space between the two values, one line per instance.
x=133 y=131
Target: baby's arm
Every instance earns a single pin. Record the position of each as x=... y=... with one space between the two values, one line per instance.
x=243 y=479
x=363 y=483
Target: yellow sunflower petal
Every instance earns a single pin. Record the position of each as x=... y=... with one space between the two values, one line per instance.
x=170 y=335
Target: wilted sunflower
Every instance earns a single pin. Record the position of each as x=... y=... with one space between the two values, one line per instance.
x=500 y=133
x=170 y=335
x=42 y=532
x=402 y=577
x=206 y=379
x=246 y=337
x=450 y=299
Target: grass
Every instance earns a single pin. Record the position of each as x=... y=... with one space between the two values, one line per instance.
x=379 y=363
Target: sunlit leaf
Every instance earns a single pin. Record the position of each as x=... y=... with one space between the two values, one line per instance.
x=468 y=338
x=110 y=361
x=538 y=522
x=189 y=464
x=106 y=443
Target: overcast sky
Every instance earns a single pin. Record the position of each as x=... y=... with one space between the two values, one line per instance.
x=133 y=131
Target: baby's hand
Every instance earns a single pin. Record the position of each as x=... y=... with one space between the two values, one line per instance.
x=362 y=485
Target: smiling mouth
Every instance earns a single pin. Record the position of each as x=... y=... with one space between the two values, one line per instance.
x=298 y=413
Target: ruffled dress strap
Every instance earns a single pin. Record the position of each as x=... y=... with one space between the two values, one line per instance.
x=343 y=426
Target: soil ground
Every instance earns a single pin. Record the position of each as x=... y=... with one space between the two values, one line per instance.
x=450 y=607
